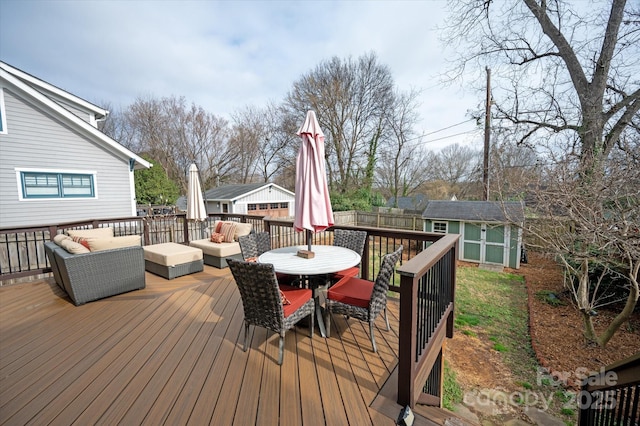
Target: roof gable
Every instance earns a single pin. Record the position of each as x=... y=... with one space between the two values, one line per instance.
x=236 y=191
x=484 y=211
x=84 y=128
x=53 y=91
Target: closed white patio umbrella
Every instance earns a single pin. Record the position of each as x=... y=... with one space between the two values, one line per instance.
x=196 y=210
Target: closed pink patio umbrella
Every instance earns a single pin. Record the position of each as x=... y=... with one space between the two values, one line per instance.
x=313 y=206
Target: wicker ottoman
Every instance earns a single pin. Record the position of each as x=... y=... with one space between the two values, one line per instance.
x=216 y=254
x=171 y=260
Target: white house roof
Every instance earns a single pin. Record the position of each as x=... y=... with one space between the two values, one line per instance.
x=36 y=91
x=238 y=191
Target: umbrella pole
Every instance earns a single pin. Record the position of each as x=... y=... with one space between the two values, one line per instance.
x=309 y=239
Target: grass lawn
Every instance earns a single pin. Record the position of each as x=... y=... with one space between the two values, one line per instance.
x=491 y=308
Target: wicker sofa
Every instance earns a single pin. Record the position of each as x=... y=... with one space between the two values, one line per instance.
x=96 y=275
x=215 y=254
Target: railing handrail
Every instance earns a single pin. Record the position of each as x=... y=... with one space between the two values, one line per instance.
x=414 y=365
x=612 y=395
x=627 y=372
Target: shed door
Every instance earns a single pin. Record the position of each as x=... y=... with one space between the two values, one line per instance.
x=483 y=243
x=472 y=242
x=494 y=244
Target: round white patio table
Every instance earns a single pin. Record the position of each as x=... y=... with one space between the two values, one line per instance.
x=327 y=260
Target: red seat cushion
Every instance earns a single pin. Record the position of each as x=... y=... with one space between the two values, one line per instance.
x=297 y=296
x=349 y=272
x=352 y=291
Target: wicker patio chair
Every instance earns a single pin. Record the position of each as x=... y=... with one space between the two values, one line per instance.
x=263 y=303
x=253 y=245
x=354 y=240
x=363 y=299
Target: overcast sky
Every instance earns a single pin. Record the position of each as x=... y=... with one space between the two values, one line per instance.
x=224 y=55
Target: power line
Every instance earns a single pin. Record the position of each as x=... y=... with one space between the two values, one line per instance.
x=418 y=138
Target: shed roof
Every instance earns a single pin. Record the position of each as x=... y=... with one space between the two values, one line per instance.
x=416 y=202
x=484 y=211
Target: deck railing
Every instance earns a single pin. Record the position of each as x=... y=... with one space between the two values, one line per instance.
x=425 y=279
x=612 y=396
x=427 y=293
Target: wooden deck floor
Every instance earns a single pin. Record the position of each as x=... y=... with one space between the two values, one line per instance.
x=172 y=354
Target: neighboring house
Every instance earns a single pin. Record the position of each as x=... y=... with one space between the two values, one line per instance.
x=410 y=205
x=266 y=199
x=55 y=165
x=491 y=231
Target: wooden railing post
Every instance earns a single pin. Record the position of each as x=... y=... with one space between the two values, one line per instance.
x=407 y=339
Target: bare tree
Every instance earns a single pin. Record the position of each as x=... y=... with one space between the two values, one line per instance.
x=400 y=167
x=176 y=135
x=459 y=167
x=270 y=144
x=350 y=99
x=595 y=232
x=562 y=67
x=566 y=84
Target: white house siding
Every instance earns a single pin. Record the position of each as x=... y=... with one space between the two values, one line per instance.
x=81 y=113
x=264 y=196
x=35 y=140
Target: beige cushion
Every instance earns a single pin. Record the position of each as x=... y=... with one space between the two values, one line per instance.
x=216 y=249
x=73 y=247
x=91 y=233
x=170 y=254
x=99 y=244
x=241 y=228
x=58 y=239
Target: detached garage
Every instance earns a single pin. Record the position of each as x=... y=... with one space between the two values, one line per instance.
x=266 y=199
x=490 y=231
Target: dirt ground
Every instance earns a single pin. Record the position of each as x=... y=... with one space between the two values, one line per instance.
x=556 y=333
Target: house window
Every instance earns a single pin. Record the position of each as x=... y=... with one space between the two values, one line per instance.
x=284 y=205
x=274 y=205
x=251 y=207
x=57 y=185
x=3 y=115
x=440 y=227
x=264 y=206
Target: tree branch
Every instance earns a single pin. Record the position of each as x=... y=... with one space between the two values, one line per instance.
x=564 y=48
x=608 y=45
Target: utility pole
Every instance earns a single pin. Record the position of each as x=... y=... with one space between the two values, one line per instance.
x=487 y=138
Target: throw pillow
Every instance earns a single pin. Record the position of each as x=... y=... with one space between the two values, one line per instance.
x=242 y=229
x=217 y=237
x=58 y=239
x=82 y=240
x=228 y=229
x=73 y=247
x=284 y=299
x=218 y=226
x=251 y=259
